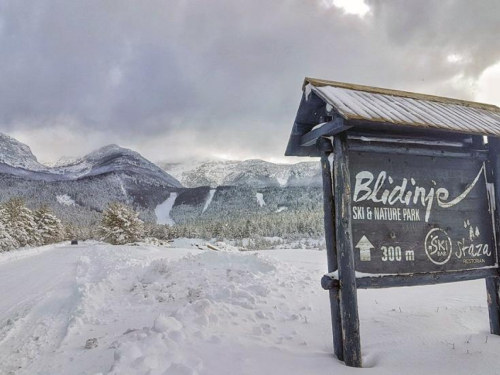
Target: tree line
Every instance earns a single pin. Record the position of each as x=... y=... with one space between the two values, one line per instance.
x=119 y=224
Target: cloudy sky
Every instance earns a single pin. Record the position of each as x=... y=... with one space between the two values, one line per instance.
x=175 y=79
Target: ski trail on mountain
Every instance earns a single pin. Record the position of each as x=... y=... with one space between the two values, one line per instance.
x=162 y=211
x=260 y=199
x=209 y=199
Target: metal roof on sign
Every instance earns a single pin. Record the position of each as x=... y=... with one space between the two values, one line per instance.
x=355 y=102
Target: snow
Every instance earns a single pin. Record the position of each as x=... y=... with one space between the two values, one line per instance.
x=159 y=310
x=17 y=159
x=260 y=199
x=256 y=173
x=162 y=211
x=319 y=126
x=406 y=110
x=209 y=199
x=18 y=155
x=282 y=181
x=65 y=200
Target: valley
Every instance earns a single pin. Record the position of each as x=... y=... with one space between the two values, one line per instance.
x=229 y=199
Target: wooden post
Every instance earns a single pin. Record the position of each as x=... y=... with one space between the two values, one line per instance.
x=326 y=147
x=345 y=253
x=493 y=283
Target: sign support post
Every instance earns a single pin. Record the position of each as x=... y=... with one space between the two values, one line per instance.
x=493 y=283
x=345 y=253
x=326 y=148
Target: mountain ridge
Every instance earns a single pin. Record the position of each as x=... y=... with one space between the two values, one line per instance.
x=17 y=159
x=252 y=172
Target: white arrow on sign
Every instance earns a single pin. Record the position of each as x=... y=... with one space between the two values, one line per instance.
x=364 y=245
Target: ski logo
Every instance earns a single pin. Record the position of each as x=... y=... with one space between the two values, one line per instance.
x=438 y=246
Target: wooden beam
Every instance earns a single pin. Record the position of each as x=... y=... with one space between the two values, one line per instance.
x=391 y=281
x=327 y=129
x=345 y=253
x=308 y=114
x=405 y=149
x=325 y=146
x=493 y=285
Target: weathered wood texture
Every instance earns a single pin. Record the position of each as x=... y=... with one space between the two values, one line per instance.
x=418 y=150
x=415 y=214
x=345 y=254
x=331 y=251
x=328 y=129
x=309 y=114
x=493 y=285
x=408 y=109
x=391 y=281
x=410 y=136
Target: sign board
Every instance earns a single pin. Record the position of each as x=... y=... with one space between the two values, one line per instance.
x=411 y=194
x=418 y=214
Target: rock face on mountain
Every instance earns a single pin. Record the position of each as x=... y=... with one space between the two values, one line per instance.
x=256 y=173
x=115 y=159
x=16 y=159
x=18 y=155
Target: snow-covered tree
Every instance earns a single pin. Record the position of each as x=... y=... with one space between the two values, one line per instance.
x=120 y=225
x=49 y=226
x=7 y=242
x=20 y=223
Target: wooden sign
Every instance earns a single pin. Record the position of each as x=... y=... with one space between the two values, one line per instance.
x=413 y=213
x=404 y=216
x=411 y=194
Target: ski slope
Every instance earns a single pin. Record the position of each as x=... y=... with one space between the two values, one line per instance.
x=162 y=211
x=181 y=310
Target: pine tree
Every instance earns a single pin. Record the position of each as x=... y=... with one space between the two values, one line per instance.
x=7 y=242
x=20 y=223
x=70 y=232
x=120 y=225
x=48 y=225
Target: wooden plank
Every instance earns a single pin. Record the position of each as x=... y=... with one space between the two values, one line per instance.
x=345 y=253
x=331 y=251
x=493 y=285
x=391 y=281
x=328 y=129
x=424 y=279
x=402 y=149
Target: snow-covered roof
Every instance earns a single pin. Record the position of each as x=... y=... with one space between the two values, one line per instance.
x=356 y=102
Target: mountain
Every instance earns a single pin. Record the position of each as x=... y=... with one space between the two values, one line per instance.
x=18 y=155
x=16 y=159
x=218 y=197
x=114 y=159
x=79 y=189
x=255 y=173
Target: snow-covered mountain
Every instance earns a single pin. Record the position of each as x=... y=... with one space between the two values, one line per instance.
x=18 y=155
x=77 y=190
x=113 y=158
x=256 y=173
x=17 y=159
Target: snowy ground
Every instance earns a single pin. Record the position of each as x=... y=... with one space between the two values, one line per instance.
x=185 y=311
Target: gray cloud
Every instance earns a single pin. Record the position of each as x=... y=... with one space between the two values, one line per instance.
x=222 y=74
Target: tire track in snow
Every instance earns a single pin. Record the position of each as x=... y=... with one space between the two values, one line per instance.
x=34 y=314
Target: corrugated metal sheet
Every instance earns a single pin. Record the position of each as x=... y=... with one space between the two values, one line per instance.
x=398 y=107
